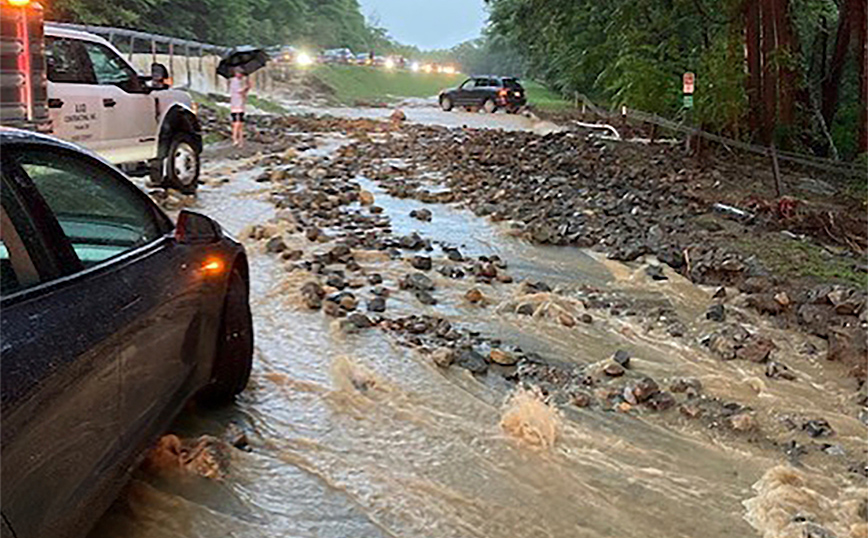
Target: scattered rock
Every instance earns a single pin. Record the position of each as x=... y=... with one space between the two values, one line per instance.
x=622 y=357
x=474 y=296
x=716 y=312
x=756 y=349
x=581 y=399
x=423 y=263
x=275 y=245
x=776 y=370
x=366 y=198
x=503 y=358
x=818 y=428
x=471 y=360
x=360 y=320
x=377 y=304
x=655 y=272
x=421 y=214
x=425 y=298
x=443 y=357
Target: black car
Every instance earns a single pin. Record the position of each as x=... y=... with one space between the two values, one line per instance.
x=488 y=93
x=112 y=318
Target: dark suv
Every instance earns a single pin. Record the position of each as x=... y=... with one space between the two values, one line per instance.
x=489 y=93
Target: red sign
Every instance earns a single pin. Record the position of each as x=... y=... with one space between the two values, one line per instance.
x=688 y=79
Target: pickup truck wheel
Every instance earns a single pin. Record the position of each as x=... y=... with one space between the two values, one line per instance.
x=234 y=355
x=446 y=103
x=183 y=164
x=489 y=106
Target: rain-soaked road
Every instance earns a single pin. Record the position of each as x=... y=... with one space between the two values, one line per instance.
x=352 y=434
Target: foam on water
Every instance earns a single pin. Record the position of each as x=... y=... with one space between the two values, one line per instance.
x=529 y=418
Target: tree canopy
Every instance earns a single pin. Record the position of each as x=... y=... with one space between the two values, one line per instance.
x=792 y=71
x=321 y=23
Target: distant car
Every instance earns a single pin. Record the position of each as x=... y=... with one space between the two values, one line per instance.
x=113 y=317
x=363 y=59
x=283 y=54
x=486 y=92
x=338 y=56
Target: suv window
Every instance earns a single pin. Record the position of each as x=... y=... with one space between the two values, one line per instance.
x=109 y=68
x=483 y=83
x=67 y=61
x=101 y=215
x=512 y=84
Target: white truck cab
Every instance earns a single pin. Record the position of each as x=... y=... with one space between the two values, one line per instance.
x=96 y=99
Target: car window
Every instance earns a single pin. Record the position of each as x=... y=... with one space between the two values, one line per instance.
x=101 y=215
x=108 y=67
x=467 y=84
x=67 y=61
x=511 y=83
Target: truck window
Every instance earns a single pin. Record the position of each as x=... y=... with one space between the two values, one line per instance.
x=109 y=68
x=67 y=61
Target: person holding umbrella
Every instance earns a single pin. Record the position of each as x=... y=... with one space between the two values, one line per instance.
x=239 y=85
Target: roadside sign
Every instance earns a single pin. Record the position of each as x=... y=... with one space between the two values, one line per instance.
x=688 y=101
x=689 y=79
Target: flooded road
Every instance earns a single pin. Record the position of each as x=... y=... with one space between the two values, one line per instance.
x=352 y=433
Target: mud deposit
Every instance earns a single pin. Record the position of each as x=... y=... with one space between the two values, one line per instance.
x=424 y=371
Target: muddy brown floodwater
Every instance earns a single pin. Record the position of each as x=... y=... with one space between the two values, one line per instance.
x=351 y=434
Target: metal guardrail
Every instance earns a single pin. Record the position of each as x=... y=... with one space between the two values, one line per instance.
x=829 y=165
x=111 y=33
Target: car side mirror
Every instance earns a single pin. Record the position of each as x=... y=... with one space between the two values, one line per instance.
x=160 y=76
x=196 y=229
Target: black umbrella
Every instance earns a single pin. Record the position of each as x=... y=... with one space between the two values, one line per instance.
x=246 y=57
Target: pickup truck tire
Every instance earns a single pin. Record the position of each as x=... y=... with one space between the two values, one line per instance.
x=233 y=359
x=183 y=164
x=446 y=103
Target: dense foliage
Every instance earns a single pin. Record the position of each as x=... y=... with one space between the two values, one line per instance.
x=323 y=23
x=783 y=70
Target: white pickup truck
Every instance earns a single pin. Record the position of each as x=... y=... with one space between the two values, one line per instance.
x=78 y=87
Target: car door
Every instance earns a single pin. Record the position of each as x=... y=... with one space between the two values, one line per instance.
x=129 y=112
x=123 y=321
x=74 y=103
x=114 y=227
x=60 y=380
x=462 y=95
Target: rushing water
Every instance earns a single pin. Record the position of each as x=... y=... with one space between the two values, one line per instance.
x=354 y=435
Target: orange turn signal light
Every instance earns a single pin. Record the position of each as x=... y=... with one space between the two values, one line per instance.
x=212 y=266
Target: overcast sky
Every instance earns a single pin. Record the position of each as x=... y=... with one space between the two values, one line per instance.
x=428 y=24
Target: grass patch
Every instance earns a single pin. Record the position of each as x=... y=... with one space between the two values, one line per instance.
x=266 y=105
x=543 y=98
x=354 y=84
x=802 y=259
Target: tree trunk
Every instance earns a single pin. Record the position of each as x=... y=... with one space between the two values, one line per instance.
x=769 y=80
x=754 y=65
x=786 y=44
x=862 y=58
x=836 y=67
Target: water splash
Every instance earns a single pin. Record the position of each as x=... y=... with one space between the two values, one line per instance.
x=529 y=418
x=786 y=505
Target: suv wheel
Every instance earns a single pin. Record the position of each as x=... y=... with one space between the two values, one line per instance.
x=234 y=355
x=446 y=103
x=183 y=164
x=489 y=106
